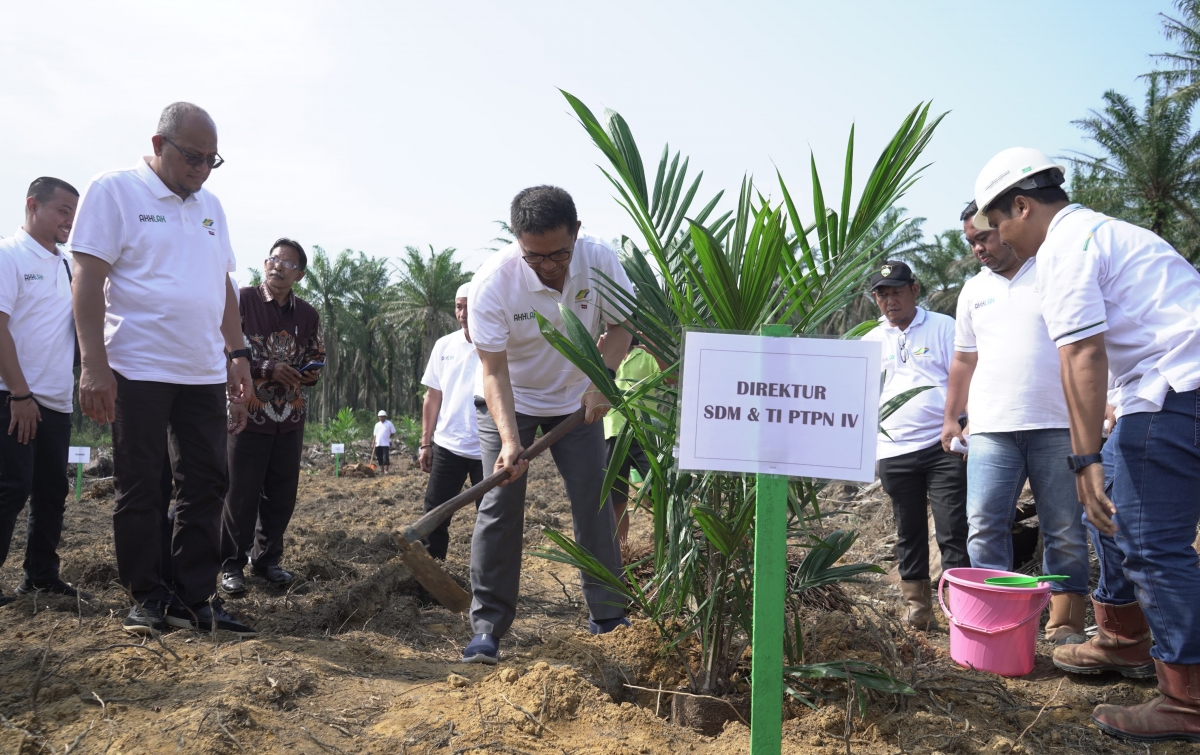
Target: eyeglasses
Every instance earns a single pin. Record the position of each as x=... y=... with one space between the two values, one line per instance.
x=561 y=255
x=214 y=160
x=902 y=341
x=280 y=262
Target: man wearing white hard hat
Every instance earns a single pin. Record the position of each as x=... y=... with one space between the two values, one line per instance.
x=384 y=430
x=1123 y=308
x=449 y=436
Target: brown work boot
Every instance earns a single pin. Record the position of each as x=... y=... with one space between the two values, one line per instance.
x=1065 y=626
x=1122 y=644
x=1173 y=715
x=918 y=603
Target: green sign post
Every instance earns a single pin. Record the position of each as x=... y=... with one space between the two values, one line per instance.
x=770 y=577
x=338 y=449
x=79 y=455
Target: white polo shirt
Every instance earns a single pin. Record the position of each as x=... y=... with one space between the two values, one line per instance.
x=166 y=291
x=928 y=347
x=35 y=293
x=1100 y=275
x=1017 y=384
x=451 y=370
x=505 y=293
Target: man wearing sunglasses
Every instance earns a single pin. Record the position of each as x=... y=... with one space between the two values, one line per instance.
x=915 y=471
x=161 y=342
x=283 y=334
x=524 y=384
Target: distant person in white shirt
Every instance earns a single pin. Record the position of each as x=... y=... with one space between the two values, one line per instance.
x=1004 y=359
x=1123 y=307
x=914 y=470
x=524 y=384
x=37 y=355
x=449 y=451
x=162 y=349
x=384 y=430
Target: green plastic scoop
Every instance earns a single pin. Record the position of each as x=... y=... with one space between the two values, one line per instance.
x=1024 y=581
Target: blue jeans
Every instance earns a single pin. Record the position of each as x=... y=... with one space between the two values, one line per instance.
x=997 y=467
x=1152 y=473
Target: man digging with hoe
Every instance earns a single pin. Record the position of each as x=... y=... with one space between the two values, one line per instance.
x=524 y=384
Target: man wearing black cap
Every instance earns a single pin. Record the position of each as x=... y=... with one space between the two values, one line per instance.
x=918 y=347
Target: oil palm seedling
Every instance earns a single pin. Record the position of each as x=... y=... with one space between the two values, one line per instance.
x=757 y=263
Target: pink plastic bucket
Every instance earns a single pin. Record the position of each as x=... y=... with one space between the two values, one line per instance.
x=992 y=628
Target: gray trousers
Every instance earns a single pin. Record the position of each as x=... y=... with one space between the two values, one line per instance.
x=498 y=542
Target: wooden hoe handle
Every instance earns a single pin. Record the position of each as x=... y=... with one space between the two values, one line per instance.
x=420 y=529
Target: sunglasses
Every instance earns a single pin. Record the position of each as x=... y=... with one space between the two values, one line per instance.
x=214 y=160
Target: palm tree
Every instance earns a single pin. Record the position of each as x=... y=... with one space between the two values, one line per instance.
x=1152 y=158
x=325 y=285
x=424 y=297
x=504 y=239
x=1185 y=62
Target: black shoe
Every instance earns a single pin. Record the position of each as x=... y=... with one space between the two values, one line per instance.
x=201 y=617
x=233 y=582
x=54 y=587
x=145 y=619
x=276 y=575
x=6 y=599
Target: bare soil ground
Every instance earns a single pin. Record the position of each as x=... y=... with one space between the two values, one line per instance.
x=352 y=658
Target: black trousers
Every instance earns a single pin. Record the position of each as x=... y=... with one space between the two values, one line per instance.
x=446 y=480
x=264 y=471
x=927 y=478
x=34 y=472
x=188 y=422
x=635 y=458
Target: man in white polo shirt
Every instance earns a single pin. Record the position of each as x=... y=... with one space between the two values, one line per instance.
x=913 y=469
x=1004 y=359
x=524 y=384
x=156 y=314
x=37 y=353
x=449 y=451
x=1123 y=308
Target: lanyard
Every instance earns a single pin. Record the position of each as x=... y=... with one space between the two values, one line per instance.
x=1062 y=215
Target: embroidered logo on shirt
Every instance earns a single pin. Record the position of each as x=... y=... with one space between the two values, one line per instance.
x=979 y=304
x=523 y=316
x=208 y=223
x=33 y=276
x=921 y=351
x=151 y=219
x=583 y=294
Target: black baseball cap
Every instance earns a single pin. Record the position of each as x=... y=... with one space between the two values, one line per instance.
x=893 y=273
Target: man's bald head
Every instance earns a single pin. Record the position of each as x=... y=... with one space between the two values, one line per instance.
x=172 y=120
x=185 y=147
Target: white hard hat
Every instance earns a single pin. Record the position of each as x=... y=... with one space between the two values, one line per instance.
x=461 y=293
x=1021 y=167
x=382 y=413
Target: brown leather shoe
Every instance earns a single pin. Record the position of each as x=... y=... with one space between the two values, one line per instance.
x=918 y=603
x=1122 y=644
x=1067 y=611
x=1173 y=715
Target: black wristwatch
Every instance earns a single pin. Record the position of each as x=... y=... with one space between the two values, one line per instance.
x=239 y=353
x=1077 y=463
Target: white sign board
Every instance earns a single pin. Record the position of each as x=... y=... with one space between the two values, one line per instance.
x=338 y=448
x=79 y=455
x=801 y=407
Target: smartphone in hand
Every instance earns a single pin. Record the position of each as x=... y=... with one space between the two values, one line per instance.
x=311 y=366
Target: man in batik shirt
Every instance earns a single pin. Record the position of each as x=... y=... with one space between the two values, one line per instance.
x=283 y=334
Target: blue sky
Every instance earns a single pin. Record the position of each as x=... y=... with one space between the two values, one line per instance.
x=373 y=126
